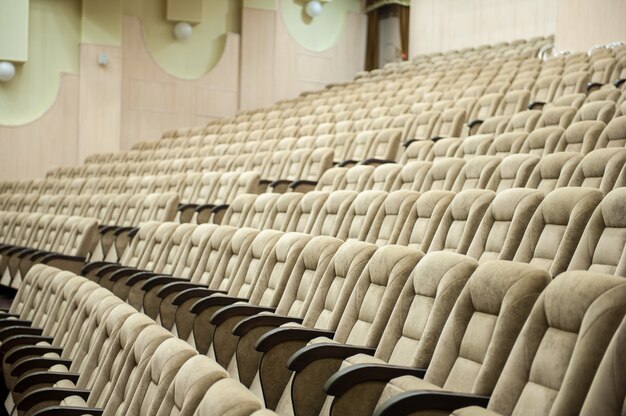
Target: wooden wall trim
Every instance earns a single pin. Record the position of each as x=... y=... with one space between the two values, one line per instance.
x=30 y=150
x=154 y=101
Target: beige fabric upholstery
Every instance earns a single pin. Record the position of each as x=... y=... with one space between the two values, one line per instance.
x=481 y=331
x=600 y=169
x=501 y=229
x=461 y=220
x=423 y=220
x=576 y=303
x=414 y=326
x=601 y=248
x=556 y=227
x=442 y=174
x=554 y=171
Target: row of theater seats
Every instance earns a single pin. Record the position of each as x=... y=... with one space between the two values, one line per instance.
x=76 y=349
x=324 y=302
x=517 y=224
x=120 y=214
x=556 y=129
x=602 y=169
x=315 y=310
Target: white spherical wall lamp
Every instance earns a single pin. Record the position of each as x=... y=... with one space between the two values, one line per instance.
x=313 y=8
x=182 y=30
x=7 y=71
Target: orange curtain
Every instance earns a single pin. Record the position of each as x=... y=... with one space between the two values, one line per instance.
x=371 y=55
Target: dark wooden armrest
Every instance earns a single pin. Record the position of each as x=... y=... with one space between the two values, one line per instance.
x=435 y=139
x=43 y=377
x=193 y=293
x=26 y=339
x=46 y=394
x=183 y=207
x=204 y=207
x=415 y=401
x=69 y=411
x=109 y=268
x=122 y=273
x=265 y=181
x=248 y=324
x=24 y=351
x=11 y=250
x=14 y=330
x=301 y=182
x=138 y=277
x=121 y=230
x=374 y=161
x=93 y=266
x=305 y=356
x=27 y=252
x=237 y=310
x=592 y=85
x=63 y=257
x=37 y=363
x=39 y=254
x=618 y=82
x=6 y=323
x=107 y=228
x=346 y=378
x=205 y=303
x=408 y=142
x=159 y=279
x=178 y=286
x=219 y=208
x=277 y=182
x=279 y=335
x=347 y=162
x=474 y=122
x=536 y=105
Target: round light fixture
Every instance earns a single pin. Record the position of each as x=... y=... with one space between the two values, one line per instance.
x=313 y=8
x=182 y=30
x=7 y=71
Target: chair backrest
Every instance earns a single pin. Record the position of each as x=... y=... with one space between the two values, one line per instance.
x=574 y=304
x=501 y=229
x=556 y=227
x=601 y=248
x=461 y=220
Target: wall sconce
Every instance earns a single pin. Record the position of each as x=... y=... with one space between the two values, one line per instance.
x=7 y=71
x=313 y=8
x=182 y=30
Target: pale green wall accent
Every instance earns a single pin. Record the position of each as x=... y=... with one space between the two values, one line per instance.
x=193 y=57
x=322 y=32
x=102 y=22
x=260 y=4
x=54 y=35
x=14 y=30
x=184 y=11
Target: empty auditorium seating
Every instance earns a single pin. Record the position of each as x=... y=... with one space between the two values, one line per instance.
x=275 y=260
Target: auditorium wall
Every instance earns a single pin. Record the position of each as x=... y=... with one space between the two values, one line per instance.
x=440 y=25
x=582 y=24
x=64 y=105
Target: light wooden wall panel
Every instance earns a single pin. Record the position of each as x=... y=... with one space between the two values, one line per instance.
x=154 y=101
x=258 y=30
x=275 y=66
x=30 y=150
x=100 y=100
x=299 y=69
x=582 y=24
x=440 y=25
